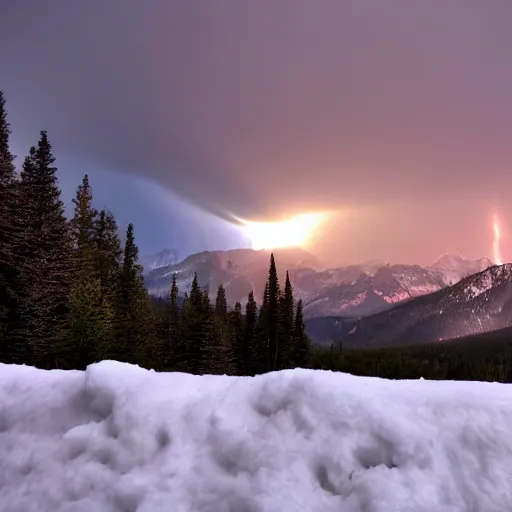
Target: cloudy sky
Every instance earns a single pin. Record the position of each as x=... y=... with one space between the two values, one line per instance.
x=397 y=115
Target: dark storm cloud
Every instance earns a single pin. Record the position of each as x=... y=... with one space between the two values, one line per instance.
x=262 y=107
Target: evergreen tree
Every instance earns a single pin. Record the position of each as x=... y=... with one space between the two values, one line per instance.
x=10 y=206
x=83 y=223
x=285 y=355
x=301 y=339
x=194 y=323
x=253 y=350
x=175 y=339
x=273 y=315
x=133 y=315
x=45 y=273
x=221 y=305
x=7 y=169
x=108 y=252
x=262 y=355
x=89 y=334
x=241 y=355
x=215 y=348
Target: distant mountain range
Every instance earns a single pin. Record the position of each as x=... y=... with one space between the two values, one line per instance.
x=478 y=303
x=349 y=291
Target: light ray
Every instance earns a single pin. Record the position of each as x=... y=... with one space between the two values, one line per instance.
x=498 y=259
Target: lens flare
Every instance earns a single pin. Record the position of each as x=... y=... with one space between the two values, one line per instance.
x=294 y=232
x=498 y=260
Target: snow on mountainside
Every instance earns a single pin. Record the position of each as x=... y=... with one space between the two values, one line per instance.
x=455 y=267
x=239 y=270
x=354 y=290
x=158 y=260
x=117 y=437
x=479 y=303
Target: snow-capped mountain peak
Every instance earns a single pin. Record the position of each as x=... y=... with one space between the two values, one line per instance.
x=158 y=260
x=454 y=267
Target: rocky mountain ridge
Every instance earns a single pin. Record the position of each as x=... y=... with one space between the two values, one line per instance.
x=353 y=290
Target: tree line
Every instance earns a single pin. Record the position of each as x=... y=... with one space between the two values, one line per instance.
x=483 y=357
x=72 y=294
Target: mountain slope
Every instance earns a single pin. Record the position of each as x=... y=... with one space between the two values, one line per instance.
x=161 y=259
x=351 y=291
x=479 y=303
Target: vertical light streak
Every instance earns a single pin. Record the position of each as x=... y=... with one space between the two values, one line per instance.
x=498 y=260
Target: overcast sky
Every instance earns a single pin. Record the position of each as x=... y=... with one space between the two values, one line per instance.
x=397 y=114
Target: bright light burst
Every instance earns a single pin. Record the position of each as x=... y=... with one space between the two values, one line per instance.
x=294 y=232
x=498 y=260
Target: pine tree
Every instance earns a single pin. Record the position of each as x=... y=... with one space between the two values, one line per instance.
x=252 y=347
x=301 y=351
x=132 y=313
x=241 y=356
x=83 y=223
x=89 y=336
x=215 y=349
x=108 y=252
x=90 y=332
x=221 y=305
x=45 y=274
x=273 y=314
x=262 y=355
x=285 y=355
x=10 y=206
x=194 y=318
x=175 y=338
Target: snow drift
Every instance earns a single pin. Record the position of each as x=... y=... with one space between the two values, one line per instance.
x=119 y=438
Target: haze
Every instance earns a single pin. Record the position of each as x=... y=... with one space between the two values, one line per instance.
x=397 y=114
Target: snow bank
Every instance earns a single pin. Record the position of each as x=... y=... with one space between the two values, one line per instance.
x=119 y=438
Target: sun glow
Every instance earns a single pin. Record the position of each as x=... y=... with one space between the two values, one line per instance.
x=498 y=260
x=294 y=232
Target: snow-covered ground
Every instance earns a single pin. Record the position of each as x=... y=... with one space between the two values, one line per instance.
x=119 y=438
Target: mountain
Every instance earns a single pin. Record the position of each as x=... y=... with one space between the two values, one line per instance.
x=354 y=290
x=454 y=267
x=160 y=259
x=478 y=303
x=238 y=270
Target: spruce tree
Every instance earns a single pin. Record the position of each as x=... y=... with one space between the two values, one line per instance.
x=109 y=252
x=7 y=169
x=132 y=313
x=301 y=339
x=273 y=315
x=241 y=356
x=262 y=355
x=90 y=332
x=175 y=339
x=10 y=206
x=46 y=270
x=252 y=347
x=83 y=223
x=194 y=318
x=221 y=305
x=285 y=355
x=215 y=348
